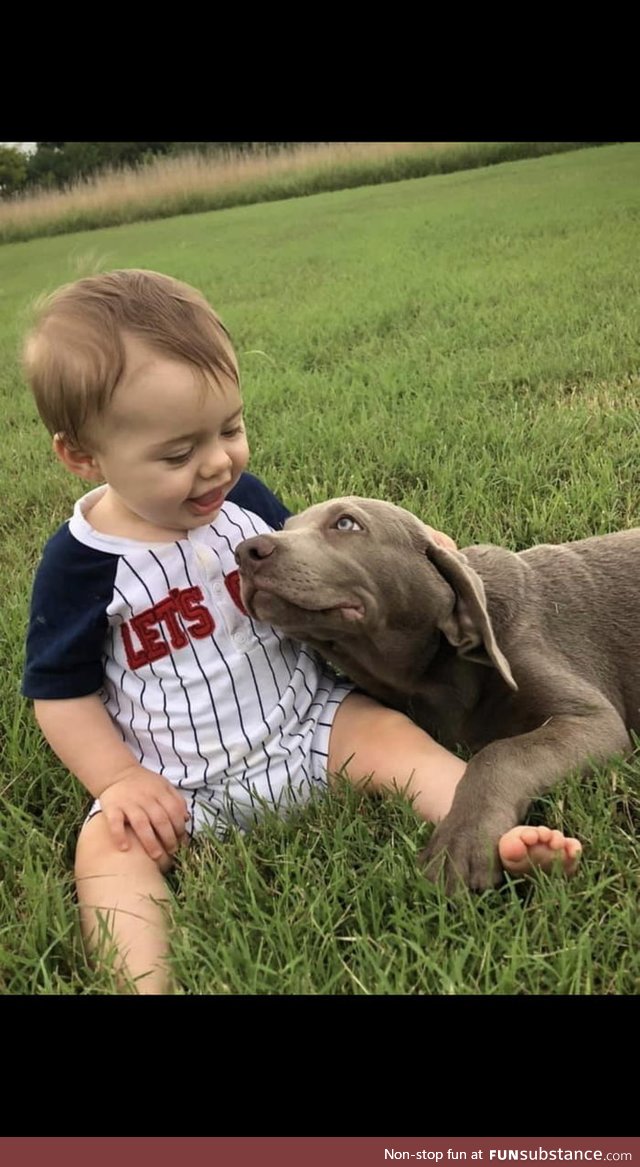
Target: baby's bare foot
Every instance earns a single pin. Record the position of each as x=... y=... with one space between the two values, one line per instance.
x=524 y=848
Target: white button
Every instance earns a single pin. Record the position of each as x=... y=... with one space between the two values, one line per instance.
x=207 y=560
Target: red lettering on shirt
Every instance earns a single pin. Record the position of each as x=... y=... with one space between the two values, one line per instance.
x=167 y=612
x=187 y=599
x=135 y=658
x=152 y=643
x=232 y=584
x=164 y=626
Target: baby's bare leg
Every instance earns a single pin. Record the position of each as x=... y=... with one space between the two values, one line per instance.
x=121 y=896
x=380 y=742
x=373 y=740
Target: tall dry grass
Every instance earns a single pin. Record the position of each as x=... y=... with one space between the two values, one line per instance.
x=196 y=182
x=191 y=174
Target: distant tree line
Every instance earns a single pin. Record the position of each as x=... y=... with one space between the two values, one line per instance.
x=54 y=165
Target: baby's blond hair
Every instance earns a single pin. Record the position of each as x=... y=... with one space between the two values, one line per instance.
x=74 y=356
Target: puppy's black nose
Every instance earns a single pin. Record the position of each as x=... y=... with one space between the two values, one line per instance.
x=252 y=550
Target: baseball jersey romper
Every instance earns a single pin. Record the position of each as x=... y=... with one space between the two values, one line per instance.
x=231 y=711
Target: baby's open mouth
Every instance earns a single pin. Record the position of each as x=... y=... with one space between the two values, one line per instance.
x=207 y=502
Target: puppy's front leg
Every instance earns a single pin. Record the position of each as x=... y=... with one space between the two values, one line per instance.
x=501 y=781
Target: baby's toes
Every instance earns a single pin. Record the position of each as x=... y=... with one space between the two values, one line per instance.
x=514 y=848
x=544 y=834
x=524 y=848
x=572 y=855
x=556 y=841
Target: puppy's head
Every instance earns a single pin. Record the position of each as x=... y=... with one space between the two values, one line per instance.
x=365 y=583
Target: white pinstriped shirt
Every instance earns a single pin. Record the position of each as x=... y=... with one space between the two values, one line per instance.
x=223 y=706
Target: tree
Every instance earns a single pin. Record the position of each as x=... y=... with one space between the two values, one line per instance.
x=58 y=164
x=13 y=170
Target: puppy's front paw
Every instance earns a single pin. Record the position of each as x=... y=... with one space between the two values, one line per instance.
x=460 y=861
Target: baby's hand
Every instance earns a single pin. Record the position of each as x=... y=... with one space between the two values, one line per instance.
x=441 y=539
x=154 y=810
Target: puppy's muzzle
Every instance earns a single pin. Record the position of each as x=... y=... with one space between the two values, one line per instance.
x=252 y=552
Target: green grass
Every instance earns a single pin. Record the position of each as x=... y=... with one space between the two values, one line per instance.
x=466 y=346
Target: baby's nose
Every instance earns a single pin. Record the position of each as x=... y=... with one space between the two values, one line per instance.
x=214 y=462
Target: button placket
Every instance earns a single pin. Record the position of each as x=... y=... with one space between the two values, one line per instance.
x=223 y=606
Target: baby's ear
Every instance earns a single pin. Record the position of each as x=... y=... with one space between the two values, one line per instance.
x=79 y=462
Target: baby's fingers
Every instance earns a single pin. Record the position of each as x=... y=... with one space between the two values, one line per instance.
x=176 y=808
x=165 y=829
x=116 y=823
x=145 y=832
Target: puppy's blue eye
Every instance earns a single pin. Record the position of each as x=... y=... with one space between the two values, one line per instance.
x=346 y=523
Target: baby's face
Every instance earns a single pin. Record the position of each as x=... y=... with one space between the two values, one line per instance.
x=171 y=449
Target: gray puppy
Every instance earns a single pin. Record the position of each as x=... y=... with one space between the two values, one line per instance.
x=530 y=659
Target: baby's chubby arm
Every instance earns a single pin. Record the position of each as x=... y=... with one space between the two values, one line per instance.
x=81 y=733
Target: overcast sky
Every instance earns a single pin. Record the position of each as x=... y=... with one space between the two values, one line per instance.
x=21 y=145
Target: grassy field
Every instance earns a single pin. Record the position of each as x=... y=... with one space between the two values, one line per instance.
x=466 y=346
x=190 y=182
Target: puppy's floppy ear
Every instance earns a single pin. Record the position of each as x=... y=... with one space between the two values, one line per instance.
x=468 y=626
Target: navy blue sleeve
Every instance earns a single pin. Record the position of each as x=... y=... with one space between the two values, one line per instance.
x=250 y=493
x=68 y=622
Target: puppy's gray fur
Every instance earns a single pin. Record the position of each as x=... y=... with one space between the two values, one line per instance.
x=530 y=659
